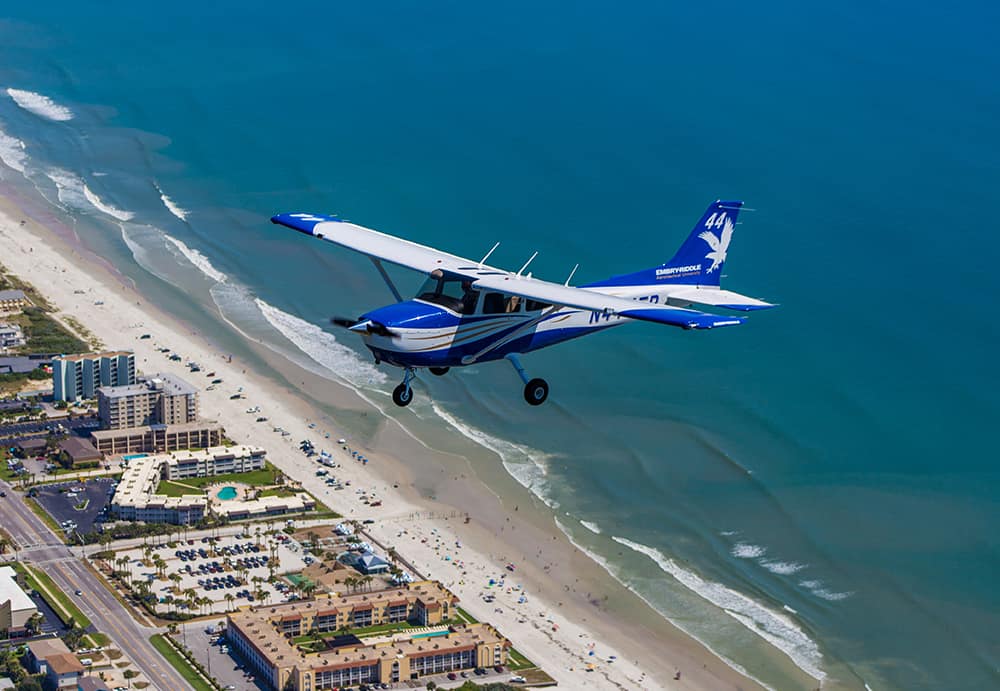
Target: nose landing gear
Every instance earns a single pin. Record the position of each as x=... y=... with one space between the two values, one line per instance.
x=536 y=390
x=402 y=395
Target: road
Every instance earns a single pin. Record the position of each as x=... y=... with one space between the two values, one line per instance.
x=38 y=546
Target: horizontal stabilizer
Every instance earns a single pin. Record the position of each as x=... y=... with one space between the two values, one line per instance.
x=716 y=297
x=686 y=319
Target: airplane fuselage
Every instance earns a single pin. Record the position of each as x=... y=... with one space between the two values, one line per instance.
x=424 y=334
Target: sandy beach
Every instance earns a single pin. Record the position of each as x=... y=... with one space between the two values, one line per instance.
x=557 y=606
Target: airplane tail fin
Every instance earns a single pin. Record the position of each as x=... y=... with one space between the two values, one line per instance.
x=700 y=259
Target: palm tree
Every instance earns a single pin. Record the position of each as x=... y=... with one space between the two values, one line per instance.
x=175 y=578
x=308 y=588
x=229 y=601
x=4 y=544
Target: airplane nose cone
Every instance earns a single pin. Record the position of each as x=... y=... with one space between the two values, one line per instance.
x=410 y=315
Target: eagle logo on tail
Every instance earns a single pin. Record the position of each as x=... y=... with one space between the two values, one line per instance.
x=719 y=245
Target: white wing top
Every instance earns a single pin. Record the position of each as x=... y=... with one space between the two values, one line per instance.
x=428 y=260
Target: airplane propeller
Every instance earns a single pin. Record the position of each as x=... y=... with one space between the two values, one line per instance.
x=364 y=326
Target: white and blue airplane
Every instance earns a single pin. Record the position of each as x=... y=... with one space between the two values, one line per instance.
x=468 y=312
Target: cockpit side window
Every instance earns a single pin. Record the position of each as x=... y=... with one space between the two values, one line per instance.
x=454 y=294
x=494 y=303
x=536 y=306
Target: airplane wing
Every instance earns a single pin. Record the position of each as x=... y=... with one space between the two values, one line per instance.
x=427 y=259
x=373 y=243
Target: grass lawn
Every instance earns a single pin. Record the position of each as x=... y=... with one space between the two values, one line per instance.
x=278 y=492
x=57 y=599
x=255 y=478
x=94 y=640
x=517 y=661
x=465 y=616
x=180 y=663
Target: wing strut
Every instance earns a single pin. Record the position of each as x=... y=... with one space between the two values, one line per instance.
x=385 y=277
x=530 y=324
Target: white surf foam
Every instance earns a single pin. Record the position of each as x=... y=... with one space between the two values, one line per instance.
x=103 y=206
x=40 y=105
x=12 y=152
x=742 y=550
x=69 y=189
x=322 y=347
x=200 y=261
x=592 y=527
x=526 y=465
x=614 y=572
x=727 y=533
x=820 y=590
x=172 y=207
x=782 y=568
x=773 y=626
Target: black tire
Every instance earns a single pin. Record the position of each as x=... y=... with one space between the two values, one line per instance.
x=439 y=371
x=536 y=391
x=402 y=395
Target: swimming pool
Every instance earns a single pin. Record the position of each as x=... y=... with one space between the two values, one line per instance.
x=134 y=455
x=226 y=493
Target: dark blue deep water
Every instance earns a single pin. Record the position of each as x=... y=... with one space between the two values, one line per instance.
x=834 y=457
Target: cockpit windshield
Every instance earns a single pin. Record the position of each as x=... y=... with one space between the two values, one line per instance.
x=455 y=294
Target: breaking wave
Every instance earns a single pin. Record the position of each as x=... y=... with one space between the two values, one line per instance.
x=105 y=207
x=592 y=527
x=322 y=347
x=776 y=628
x=12 y=152
x=200 y=261
x=742 y=550
x=818 y=589
x=40 y=105
x=172 y=207
x=526 y=465
x=69 y=189
x=782 y=568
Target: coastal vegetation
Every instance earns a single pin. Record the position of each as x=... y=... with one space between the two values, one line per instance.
x=184 y=665
x=46 y=335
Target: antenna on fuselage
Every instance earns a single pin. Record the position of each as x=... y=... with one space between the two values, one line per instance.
x=526 y=264
x=571 y=274
x=483 y=260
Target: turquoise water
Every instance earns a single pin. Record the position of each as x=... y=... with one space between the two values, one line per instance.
x=825 y=473
x=226 y=493
x=134 y=456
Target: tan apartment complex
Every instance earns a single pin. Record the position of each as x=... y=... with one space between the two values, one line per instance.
x=265 y=636
x=158 y=438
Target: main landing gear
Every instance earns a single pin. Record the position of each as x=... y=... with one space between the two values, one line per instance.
x=535 y=390
x=402 y=395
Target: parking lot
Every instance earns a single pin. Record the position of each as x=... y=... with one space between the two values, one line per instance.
x=229 y=571
x=224 y=665
x=81 y=426
x=61 y=501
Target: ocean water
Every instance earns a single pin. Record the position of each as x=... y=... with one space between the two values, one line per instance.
x=821 y=481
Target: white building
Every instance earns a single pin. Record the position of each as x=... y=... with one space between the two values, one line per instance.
x=136 y=498
x=11 y=336
x=16 y=608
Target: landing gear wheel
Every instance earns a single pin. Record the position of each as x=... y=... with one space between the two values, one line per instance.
x=402 y=395
x=536 y=391
x=439 y=371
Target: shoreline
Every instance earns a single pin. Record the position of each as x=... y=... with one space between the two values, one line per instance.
x=435 y=488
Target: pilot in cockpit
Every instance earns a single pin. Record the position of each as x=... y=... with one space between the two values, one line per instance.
x=469 y=298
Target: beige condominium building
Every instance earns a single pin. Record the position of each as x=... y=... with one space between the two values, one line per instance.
x=265 y=636
x=162 y=399
x=80 y=376
x=158 y=438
